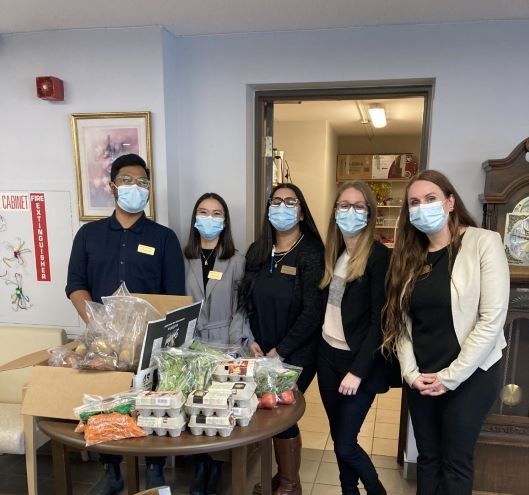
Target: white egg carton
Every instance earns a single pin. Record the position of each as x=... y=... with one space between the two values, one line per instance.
x=218 y=403
x=163 y=425
x=235 y=370
x=243 y=415
x=242 y=392
x=160 y=403
x=211 y=425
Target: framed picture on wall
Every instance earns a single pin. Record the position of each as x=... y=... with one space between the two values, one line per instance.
x=98 y=139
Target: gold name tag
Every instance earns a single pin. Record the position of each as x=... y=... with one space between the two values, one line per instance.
x=288 y=270
x=145 y=249
x=215 y=275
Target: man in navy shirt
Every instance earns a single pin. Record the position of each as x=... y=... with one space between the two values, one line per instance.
x=126 y=247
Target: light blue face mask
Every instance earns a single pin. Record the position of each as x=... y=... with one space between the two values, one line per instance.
x=209 y=227
x=133 y=198
x=428 y=218
x=350 y=222
x=283 y=218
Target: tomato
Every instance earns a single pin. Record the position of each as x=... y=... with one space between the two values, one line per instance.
x=268 y=400
x=287 y=397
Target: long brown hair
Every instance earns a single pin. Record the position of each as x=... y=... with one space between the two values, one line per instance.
x=335 y=244
x=408 y=259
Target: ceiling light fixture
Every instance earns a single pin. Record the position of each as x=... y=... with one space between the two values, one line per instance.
x=378 y=115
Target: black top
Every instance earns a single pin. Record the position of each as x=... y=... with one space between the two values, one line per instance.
x=208 y=262
x=435 y=342
x=361 y=308
x=287 y=307
x=146 y=256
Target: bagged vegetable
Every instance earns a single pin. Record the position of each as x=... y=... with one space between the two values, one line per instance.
x=123 y=403
x=113 y=426
x=115 y=331
x=185 y=369
x=275 y=377
x=63 y=357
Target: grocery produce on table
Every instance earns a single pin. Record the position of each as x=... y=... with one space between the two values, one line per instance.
x=211 y=425
x=276 y=382
x=163 y=425
x=209 y=403
x=123 y=403
x=235 y=370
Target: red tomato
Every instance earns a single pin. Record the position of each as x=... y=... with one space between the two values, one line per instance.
x=287 y=397
x=268 y=400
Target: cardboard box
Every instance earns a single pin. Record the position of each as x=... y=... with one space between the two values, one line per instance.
x=54 y=392
x=352 y=167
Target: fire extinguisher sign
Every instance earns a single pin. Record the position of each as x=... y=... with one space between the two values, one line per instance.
x=40 y=236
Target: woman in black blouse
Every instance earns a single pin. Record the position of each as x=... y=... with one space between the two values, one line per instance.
x=280 y=295
x=351 y=369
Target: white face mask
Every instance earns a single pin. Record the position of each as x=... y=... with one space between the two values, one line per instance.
x=133 y=198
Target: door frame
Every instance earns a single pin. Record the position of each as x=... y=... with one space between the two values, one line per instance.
x=265 y=97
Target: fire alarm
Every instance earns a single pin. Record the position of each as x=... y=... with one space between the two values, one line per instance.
x=50 y=88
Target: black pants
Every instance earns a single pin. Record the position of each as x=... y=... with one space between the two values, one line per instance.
x=116 y=459
x=304 y=380
x=447 y=429
x=346 y=414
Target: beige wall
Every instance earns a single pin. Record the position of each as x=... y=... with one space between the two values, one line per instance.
x=310 y=150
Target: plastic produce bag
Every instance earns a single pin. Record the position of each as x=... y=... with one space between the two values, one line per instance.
x=112 y=426
x=275 y=377
x=62 y=356
x=115 y=331
x=123 y=403
x=185 y=369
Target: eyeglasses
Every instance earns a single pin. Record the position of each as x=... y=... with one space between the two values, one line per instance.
x=204 y=212
x=128 y=180
x=289 y=202
x=345 y=206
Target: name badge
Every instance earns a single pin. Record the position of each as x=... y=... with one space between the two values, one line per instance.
x=145 y=249
x=288 y=270
x=214 y=275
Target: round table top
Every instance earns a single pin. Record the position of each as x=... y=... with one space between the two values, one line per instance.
x=264 y=424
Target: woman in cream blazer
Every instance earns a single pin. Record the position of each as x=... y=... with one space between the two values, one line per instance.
x=213 y=272
x=447 y=298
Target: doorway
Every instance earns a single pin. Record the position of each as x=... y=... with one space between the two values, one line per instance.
x=299 y=133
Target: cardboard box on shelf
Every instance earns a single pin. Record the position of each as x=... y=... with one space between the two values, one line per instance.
x=351 y=167
x=54 y=392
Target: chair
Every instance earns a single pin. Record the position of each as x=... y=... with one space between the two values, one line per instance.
x=18 y=341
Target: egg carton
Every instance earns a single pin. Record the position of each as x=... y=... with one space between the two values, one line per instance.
x=209 y=403
x=235 y=370
x=160 y=403
x=242 y=392
x=163 y=425
x=243 y=415
x=200 y=425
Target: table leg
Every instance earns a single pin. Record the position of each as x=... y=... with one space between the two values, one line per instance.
x=31 y=444
x=61 y=469
x=266 y=466
x=132 y=476
x=239 y=457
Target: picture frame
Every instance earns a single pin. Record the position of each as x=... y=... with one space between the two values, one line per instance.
x=98 y=139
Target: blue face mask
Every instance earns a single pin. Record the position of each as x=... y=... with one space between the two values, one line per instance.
x=133 y=198
x=283 y=218
x=209 y=227
x=350 y=222
x=428 y=218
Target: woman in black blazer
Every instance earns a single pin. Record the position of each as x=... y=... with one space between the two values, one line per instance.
x=351 y=369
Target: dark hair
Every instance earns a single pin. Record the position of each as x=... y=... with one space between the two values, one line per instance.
x=258 y=254
x=225 y=245
x=409 y=255
x=130 y=160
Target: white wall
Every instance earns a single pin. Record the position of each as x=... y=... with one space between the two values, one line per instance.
x=480 y=106
x=106 y=70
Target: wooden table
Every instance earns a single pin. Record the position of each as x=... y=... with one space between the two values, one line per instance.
x=263 y=426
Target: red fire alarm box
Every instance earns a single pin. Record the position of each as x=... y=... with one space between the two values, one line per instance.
x=50 y=88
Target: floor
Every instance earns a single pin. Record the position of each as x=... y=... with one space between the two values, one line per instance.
x=319 y=471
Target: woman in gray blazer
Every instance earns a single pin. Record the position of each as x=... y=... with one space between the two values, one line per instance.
x=447 y=298
x=214 y=269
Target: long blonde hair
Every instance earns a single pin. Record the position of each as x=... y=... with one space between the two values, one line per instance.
x=408 y=259
x=335 y=244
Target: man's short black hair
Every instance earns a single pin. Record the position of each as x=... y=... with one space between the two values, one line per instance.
x=126 y=161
